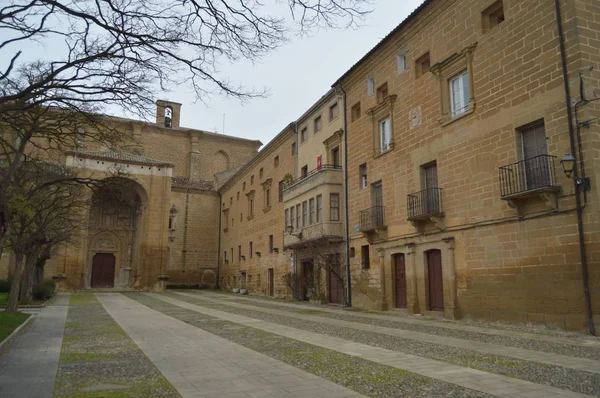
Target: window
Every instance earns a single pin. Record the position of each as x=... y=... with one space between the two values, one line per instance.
x=422 y=65
x=232 y=220
x=311 y=209
x=401 y=61
x=304 y=213
x=355 y=112
x=303 y=134
x=456 y=85
x=281 y=185
x=334 y=111
x=287 y=218
x=168 y=117
x=459 y=94
x=240 y=253
x=231 y=200
x=385 y=134
x=304 y=171
x=232 y=254
x=250 y=196
x=238 y=196
x=362 y=171
x=250 y=249
x=492 y=16
x=252 y=180
x=334 y=207
x=268 y=198
x=365 y=257
x=298 y=225
x=382 y=92
x=335 y=156
x=293 y=149
x=292 y=219
x=319 y=208
x=241 y=217
x=371 y=85
x=276 y=162
x=244 y=186
x=260 y=173
x=225 y=256
x=318 y=124
x=226 y=219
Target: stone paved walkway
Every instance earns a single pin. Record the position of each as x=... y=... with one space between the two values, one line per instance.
x=28 y=366
x=470 y=378
x=528 y=355
x=200 y=364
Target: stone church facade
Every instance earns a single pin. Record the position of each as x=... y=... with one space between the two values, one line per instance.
x=163 y=227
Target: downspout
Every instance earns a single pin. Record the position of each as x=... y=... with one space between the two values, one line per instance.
x=582 y=254
x=218 y=285
x=346 y=217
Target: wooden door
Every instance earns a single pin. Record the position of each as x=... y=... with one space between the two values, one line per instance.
x=436 y=282
x=308 y=279
x=377 y=198
x=271 y=282
x=103 y=270
x=430 y=180
x=400 y=280
x=335 y=286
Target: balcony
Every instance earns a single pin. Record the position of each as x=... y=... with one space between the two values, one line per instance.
x=326 y=174
x=372 y=219
x=425 y=204
x=533 y=177
x=325 y=231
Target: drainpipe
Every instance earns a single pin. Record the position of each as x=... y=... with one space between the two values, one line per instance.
x=219 y=243
x=346 y=217
x=582 y=254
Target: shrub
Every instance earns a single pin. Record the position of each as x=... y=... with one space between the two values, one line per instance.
x=44 y=291
x=4 y=286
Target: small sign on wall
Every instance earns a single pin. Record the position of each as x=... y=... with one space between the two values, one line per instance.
x=319 y=161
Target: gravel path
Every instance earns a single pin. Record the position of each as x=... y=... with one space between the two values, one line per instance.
x=99 y=360
x=360 y=375
x=555 y=376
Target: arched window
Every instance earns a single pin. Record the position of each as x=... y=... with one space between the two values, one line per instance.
x=168 y=117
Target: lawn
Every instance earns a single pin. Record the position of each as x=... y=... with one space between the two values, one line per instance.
x=9 y=321
x=3 y=298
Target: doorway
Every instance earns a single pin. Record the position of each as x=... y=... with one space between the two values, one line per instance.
x=335 y=286
x=435 y=280
x=400 y=280
x=271 y=282
x=103 y=270
x=307 y=279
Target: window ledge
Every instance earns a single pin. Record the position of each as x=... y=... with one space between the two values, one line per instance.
x=250 y=218
x=266 y=209
x=380 y=154
x=226 y=230
x=445 y=120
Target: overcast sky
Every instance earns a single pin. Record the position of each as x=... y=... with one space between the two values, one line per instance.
x=297 y=75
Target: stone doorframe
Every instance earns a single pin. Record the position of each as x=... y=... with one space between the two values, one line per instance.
x=416 y=275
x=104 y=242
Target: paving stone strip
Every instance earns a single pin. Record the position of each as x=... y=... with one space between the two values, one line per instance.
x=28 y=366
x=589 y=345
x=487 y=348
x=201 y=364
x=98 y=359
x=469 y=378
x=369 y=378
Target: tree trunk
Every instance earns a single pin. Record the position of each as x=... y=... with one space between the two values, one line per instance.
x=28 y=277
x=13 y=296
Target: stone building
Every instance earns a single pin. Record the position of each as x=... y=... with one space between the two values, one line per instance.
x=457 y=123
x=251 y=245
x=165 y=228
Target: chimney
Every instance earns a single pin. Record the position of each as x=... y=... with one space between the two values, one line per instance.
x=168 y=113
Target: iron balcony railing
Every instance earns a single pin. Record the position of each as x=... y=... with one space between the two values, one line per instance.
x=425 y=203
x=372 y=218
x=313 y=172
x=527 y=175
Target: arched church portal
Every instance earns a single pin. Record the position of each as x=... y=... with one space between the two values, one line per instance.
x=115 y=221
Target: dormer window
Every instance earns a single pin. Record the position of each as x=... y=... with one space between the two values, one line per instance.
x=168 y=117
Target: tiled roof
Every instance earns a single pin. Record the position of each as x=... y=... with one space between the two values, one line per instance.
x=120 y=156
x=186 y=183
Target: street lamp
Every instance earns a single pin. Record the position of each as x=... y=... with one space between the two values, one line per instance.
x=290 y=230
x=568 y=165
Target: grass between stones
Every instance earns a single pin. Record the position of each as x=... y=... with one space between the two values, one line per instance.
x=9 y=321
x=555 y=376
x=360 y=375
x=98 y=359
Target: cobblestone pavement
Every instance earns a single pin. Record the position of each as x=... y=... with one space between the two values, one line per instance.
x=205 y=344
